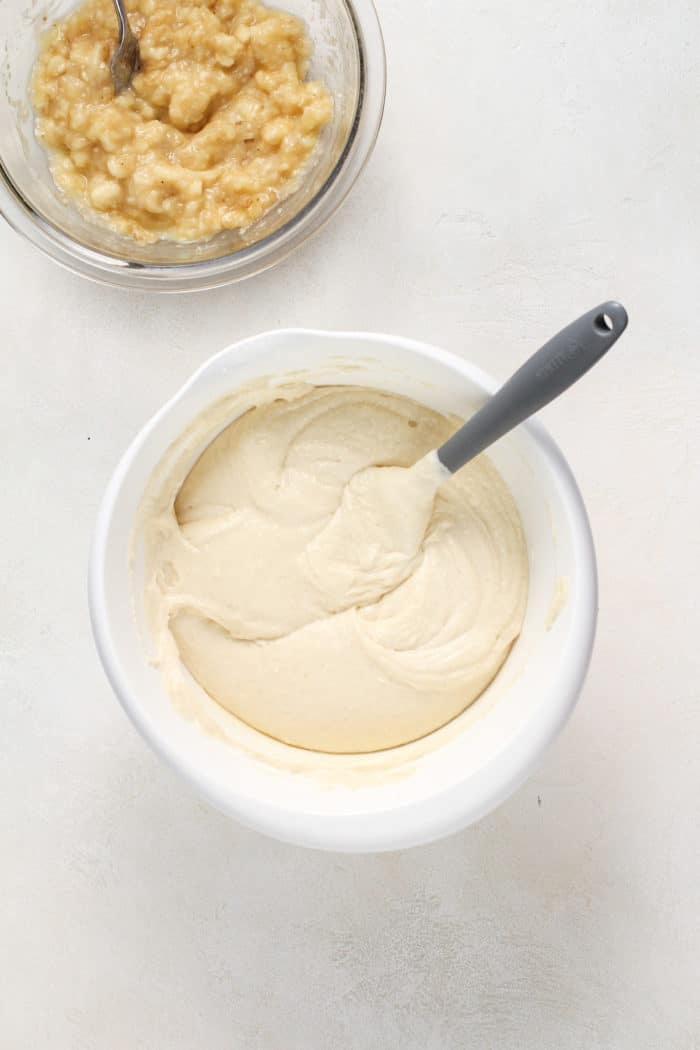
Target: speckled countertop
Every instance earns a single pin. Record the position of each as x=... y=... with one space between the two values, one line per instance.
x=546 y=162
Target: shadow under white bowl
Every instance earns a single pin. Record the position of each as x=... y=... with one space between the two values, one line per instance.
x=407 y=795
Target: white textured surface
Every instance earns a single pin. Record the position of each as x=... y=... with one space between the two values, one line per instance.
x=534 y=160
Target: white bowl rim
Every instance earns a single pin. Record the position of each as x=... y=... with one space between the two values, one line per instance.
x=440 y=814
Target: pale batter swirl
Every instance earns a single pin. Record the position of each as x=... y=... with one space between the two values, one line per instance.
x=331 y=606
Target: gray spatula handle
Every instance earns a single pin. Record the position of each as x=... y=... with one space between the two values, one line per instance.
x=548 y=373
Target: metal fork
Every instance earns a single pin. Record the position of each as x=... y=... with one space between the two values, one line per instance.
x=126 y=59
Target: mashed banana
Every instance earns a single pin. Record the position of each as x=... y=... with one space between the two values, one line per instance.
x=328 y=604
x=215 y=129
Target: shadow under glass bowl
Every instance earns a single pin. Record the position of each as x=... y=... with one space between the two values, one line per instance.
x=348 y=56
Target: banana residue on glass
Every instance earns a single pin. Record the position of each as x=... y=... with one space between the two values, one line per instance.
x=308 y=576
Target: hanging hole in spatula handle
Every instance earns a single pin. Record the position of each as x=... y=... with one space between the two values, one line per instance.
x=611 y=318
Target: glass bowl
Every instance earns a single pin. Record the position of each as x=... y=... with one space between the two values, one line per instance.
x=348 y=56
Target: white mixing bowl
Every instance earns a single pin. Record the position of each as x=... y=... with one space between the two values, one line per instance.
x=408 y=795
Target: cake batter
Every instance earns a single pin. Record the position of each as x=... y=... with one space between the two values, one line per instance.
x=307 y=577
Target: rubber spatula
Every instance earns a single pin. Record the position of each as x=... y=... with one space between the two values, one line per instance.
x=544 y=376
x=374 y=517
